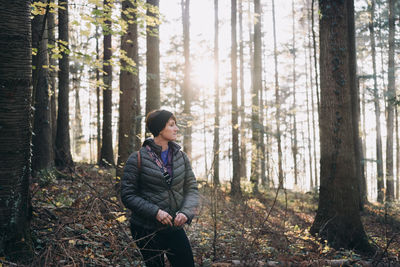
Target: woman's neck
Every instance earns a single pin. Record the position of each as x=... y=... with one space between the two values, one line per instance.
x=161 y=142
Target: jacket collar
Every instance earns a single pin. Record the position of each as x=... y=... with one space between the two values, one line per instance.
x=157 y=149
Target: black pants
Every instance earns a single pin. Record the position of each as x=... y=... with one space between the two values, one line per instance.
x=153 y=245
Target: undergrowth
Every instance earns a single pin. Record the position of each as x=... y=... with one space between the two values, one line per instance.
x=79 y=221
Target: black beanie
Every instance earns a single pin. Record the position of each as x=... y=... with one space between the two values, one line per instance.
x=157 y=120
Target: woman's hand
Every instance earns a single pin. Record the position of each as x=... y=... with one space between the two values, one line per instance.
x=163 y=217
x=180 y=219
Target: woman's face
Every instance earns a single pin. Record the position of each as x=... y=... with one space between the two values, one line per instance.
x=170 y=131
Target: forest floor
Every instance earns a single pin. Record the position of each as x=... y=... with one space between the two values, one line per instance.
x=79 y=221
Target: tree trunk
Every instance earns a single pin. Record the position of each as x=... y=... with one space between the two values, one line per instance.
x=338 y=219
x=77 y=135
x=391 y=98
x=294 y=137
x=216 y=98
x=256 y=87
x=277 y=102
x=129 y=104
x=397 y=154
x=308 y=119
x=315 y=54
x=243 y=153
x=107 y=154
x=41 y=140
x=187 y=94
x=235 y=186
x=63 y=157
x=152 y=58
x=15 y=130
x=311 y=40
x=52 y=79
x=379 y=158
x=98 y=108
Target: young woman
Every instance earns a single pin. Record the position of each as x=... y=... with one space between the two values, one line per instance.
x=160 y=189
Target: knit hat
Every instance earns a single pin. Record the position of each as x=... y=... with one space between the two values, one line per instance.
x=156 y=121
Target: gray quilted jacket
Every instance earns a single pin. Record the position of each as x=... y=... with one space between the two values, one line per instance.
x=145 y=191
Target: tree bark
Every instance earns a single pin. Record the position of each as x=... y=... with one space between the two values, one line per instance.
x=152 y=58
x=15 y=129
x=391 y=98
x=216 y=96
x=379 y=158
x=235 y=186
x=107 y=154
x=187 y=94
x=129 y=103
x=294 y=137
x=52 y=79
x=63 y=157
x=256 y=87
x=308 y=88
x=338 y=219
x=98 y=92
x=277 y=102
x=243 y=151
x=41 y=140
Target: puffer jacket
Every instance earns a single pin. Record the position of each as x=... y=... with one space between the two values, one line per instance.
x=145 y=191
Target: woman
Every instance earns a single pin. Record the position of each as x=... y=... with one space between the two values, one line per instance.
x=160 y=189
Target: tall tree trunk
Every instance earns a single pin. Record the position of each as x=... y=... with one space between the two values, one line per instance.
x=338 y=219
x=235 y=186
x=397 y=154
x=379 y=158
x=98 y=91
x=277 y=102
x=152 y=58
x=256 y=87
x=294 y=138
x=216 y=97
x=107 y=154
x=312 y=94
x=63 y=157
x=52 y=78
x=391 y=98
x=308 y=119
x=129 y=103
x=41 y=140
x=16 y=129
x=187 y=94
x=263 y=177
x=243 y=153
x=315 y=54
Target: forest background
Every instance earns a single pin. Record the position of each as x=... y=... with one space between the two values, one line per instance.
x=287 y=109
